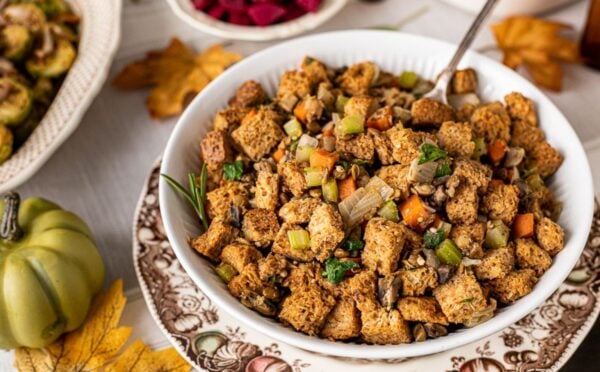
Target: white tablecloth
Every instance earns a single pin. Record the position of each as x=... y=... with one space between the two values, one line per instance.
x=99 y=171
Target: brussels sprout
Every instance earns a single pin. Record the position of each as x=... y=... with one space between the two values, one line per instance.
x=52 y=7
x=56 y=64
x=16 y=101
x=16 y=40
x=6 y=143
x=43 y=91
x=24 y=130
x=27 y=15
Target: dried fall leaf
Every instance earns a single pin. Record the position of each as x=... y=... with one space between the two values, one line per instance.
x=96 y=343
x=139 y=357
x=536 y=44
x=176 y=74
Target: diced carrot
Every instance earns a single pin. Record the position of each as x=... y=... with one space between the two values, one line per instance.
x=523 y=226
x=278 y=154
x=323 y=159
x=497 y=150
x=300 y=112
x=496 y=183
x=382 y=119
x=346 y=187
x=252 y=113
x=328 y=132
x=415 y=214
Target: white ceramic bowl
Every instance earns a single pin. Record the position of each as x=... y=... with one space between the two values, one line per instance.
x=393 y=52
x=185 y=10
x=99 y=37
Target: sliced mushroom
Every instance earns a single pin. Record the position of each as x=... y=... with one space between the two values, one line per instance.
x=514 y=157
x=388 y=289
x=435 y=330
x=439 y=196
x=424 y=189
x=419 y=333
x=445 y=272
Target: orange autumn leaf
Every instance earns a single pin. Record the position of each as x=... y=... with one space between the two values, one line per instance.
x=175 y=73
x=537 y=45
x=97 y=344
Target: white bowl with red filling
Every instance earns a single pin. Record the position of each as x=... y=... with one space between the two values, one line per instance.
x=394 y=52
x=255 y=20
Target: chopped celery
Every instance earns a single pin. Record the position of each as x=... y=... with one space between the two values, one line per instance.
x=497 y=234
x=389 y=211
x=340 y=103
x=445 y=228
x=299 y=239
x=293 y=128
x=480 y=148
x=314 y=176
x=448 y=253
x=352 y=124
x=225 y=271
x=408 y=79
x=303 y=153
x=330 y=190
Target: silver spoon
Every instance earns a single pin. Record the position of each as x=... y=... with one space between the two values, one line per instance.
x=439 y=92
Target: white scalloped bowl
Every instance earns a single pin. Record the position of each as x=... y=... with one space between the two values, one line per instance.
x=99 y=37
x=185 y=10
x=393 y=52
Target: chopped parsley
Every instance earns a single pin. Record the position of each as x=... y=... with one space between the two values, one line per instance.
x=431 y=152
x=336 y=269
x=233 y=171
x=443 y=169
x=344 y=164
x=353 y=245
x=360 y=162
x=273 y=278
x=433 y=239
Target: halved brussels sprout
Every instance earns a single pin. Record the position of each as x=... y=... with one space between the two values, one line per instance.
x=16 y=101
x=43 y=91
x=27 y=15
x=6 y=143
x=16 y=40
x=52 y=7
x=56 y=64
x=24 y=130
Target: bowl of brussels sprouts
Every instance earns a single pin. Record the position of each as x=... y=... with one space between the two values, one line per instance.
x=54 y=58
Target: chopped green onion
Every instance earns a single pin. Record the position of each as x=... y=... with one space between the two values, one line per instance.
x=335 y=270
x=443 y=169
x=408 y=79
x=340 y=103
x=299 y=239
x=480 y=148
x=225 y=271
x=431 y=152
x=303 y=153
x=433 y=239
x=353 y=245
x=352 y=124
x=448 y=253
x=293 y=128
x=389 y=211
x=314 y=176
x=497 y=235
x=233 y=171
x=330 y=190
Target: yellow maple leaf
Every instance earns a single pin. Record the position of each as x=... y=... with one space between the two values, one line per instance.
x=95 y=344
x=176 y=74
x=139 y=357
x=538 y=45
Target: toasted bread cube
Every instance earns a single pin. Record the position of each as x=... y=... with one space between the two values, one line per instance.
x=292 y=176
x=464 y=112
x=215 y=149
x=501 y=203
x=253 y=292
x=532 y=256
x=307 y=308
x=456 y=138
x=461 y=297
x=360 y=105
x=298 y=211
x=521 y=108
x=525 y=135
x=358 y=78
x=396 y=177
x=426 y=111
x=383 y=146
x=249 y=94
x=464 y=81
x=272 y=266
x=491 y=121
x=550 y=236
x=513 y=286
x=315 y=70
x=545 y=158
x=360 y=146
x=473 y=173
x=267 y=190
x=416 y=282
x=421 y=309
x=229 y=118
x=343 y=322
x=294 y=83
x=303 y=274
x=469 y=238
x=211 y=243
x=326 y=231
x=260 y=226
x=282 y=246
x=496 y=263
x=406 y=143
x=381 y=326
x=462 y=207
x=257 y=135
x=231 y=194
x=239 y=254
x=361 y=287
x=384 y=241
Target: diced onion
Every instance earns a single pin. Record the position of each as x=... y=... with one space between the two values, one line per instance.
x=421 y=173
x=379 y=185
x=459 y=100
x=308 y=141
x=466 y=261
x=329 y=144
x=367 y=204
x=350 y=202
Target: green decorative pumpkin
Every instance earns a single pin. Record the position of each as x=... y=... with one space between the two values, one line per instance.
x=50 y=270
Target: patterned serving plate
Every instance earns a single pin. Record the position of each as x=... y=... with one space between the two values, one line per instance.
x=212 y=340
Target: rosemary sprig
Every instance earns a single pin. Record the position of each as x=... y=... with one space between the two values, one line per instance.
x=196 y=195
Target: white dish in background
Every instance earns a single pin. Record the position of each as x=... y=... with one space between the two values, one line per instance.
x=572 y=183
x=511 y=7
x=99 y=37
x=185 y=10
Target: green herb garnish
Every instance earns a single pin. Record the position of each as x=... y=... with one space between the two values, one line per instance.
x=344 y=164
x=196 y=194
x=443 y=170
x=360 y=162
x=433 y=239
x=353 y=245
x=233 y=171
x=466 y=300
x=431 y=152
x=336 y=269
x=308 y=61
x=293 y=145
